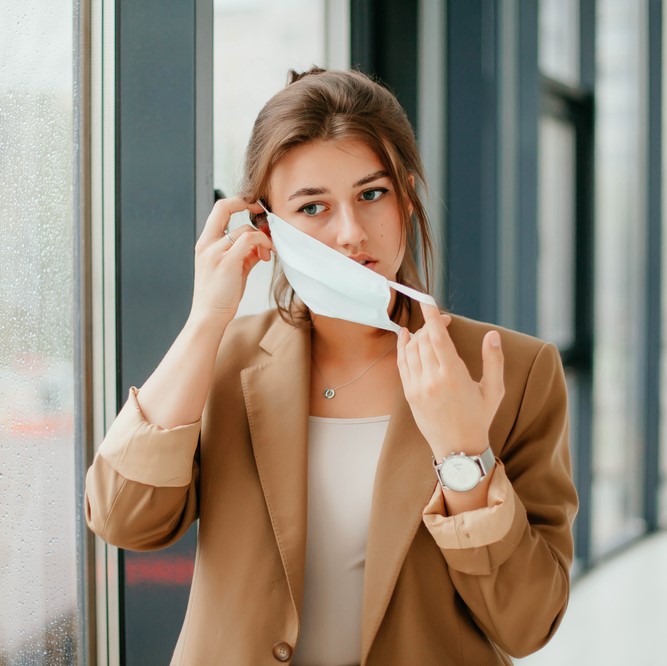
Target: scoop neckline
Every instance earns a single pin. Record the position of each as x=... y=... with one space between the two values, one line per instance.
x=348 y=421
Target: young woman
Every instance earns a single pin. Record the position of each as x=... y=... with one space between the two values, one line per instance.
x=363 y=497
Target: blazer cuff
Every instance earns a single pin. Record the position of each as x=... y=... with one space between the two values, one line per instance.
x=147 y=453
x=476 y=542
x=472 y=529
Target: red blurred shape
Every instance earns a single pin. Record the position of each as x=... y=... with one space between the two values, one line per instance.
x=164 y=570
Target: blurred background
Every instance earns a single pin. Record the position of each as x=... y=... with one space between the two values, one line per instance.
x=541 y=127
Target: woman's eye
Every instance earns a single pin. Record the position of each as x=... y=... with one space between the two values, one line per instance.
x=312 y=209
x=373 y=195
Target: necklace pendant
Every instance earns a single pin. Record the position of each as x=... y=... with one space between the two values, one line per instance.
x=329 y=393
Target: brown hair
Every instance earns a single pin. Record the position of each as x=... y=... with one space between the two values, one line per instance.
x=329 y=105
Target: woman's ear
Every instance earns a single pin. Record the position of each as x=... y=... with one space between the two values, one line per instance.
x=411 y=179
x=261 y=222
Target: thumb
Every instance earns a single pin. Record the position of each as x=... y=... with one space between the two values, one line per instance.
x=493 y=363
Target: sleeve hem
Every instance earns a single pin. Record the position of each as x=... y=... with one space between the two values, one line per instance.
x=473 y=529
x=147 y=453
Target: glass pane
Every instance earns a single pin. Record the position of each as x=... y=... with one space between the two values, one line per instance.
x=39 y=620
x=573 y=397
x=662 y=496
x=559 y=40
x=662 y=490
x=619 y=279
x=256 y=42
x=556 y=259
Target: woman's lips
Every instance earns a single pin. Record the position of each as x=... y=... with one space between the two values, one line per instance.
x=364 y=259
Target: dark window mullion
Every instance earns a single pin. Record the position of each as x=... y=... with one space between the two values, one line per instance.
x=574 y=106
x=652 y=355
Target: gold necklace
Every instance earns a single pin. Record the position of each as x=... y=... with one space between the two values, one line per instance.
x=330 y=392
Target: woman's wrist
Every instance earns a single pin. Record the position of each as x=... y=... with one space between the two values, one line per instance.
x=208 y=323
x=470 y=447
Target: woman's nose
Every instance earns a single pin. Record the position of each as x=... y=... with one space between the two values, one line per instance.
x=350 y=229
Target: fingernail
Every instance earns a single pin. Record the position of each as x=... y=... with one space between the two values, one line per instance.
x=495 y=339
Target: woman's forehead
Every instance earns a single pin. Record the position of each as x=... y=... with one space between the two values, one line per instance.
x=324 y=164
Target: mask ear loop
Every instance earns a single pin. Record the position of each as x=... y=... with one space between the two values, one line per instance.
x=413 y=293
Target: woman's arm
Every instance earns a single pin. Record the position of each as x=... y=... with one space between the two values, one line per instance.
x=141 y=490
x=176 y=391
x=508 y=542
x=510 y=560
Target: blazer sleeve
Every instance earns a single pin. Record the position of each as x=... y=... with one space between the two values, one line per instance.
x=142 y=488
x=510 y=561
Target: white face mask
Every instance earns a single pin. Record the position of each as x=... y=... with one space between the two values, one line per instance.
x=331 y=284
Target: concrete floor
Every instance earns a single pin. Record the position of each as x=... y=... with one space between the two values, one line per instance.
x=617 y=613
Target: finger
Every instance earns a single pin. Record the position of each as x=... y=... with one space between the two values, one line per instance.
x=401 y=360
x=412 y=355
x=244 y=255
x=231 y=236
x=436 y=323
x=248 y=243
x=431 y=312
x=428 y=356
x=219 y=217
x=227 y=238
x=493 y=363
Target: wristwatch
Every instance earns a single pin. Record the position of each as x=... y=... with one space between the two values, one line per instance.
x=461 y=472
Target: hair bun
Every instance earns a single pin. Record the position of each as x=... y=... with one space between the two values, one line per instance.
x=293 y=76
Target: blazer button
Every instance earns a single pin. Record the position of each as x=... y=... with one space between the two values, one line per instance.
x=282 y=651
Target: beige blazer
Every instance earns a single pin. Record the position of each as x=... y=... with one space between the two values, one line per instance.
x=468 y=589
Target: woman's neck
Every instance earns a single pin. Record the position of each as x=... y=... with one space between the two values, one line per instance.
x=357 y=363
x=347 y=341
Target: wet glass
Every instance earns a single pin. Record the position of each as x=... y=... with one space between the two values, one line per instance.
x=662 y=489
x=39 y=580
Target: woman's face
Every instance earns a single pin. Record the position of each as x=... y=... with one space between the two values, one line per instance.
x=339 y=193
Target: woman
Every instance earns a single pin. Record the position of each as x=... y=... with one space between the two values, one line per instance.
x=336 y=527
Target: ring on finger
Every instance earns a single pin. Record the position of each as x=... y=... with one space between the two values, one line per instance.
x=229 y=236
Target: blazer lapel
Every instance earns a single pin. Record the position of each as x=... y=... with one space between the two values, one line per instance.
x=276 y=393
x=404 y=483
x=277 y=398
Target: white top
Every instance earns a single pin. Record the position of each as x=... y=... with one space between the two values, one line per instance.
x=342 y=459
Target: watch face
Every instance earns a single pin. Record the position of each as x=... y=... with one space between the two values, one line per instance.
x=460 y=473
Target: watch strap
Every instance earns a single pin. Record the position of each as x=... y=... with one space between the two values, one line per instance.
x=487 y=461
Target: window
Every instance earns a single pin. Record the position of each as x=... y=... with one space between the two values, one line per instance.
x=620 y=274
x=256 y=42
x=565 y=256
x=557 y=217
x=40 y=523
x=559 y=54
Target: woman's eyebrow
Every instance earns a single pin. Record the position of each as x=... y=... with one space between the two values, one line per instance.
x=308 y=192
x=314 y=191
x=376 y=175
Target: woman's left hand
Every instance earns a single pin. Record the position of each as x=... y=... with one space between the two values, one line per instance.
x=452 y=410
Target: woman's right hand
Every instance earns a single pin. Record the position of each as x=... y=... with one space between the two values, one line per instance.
x=222 y=267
